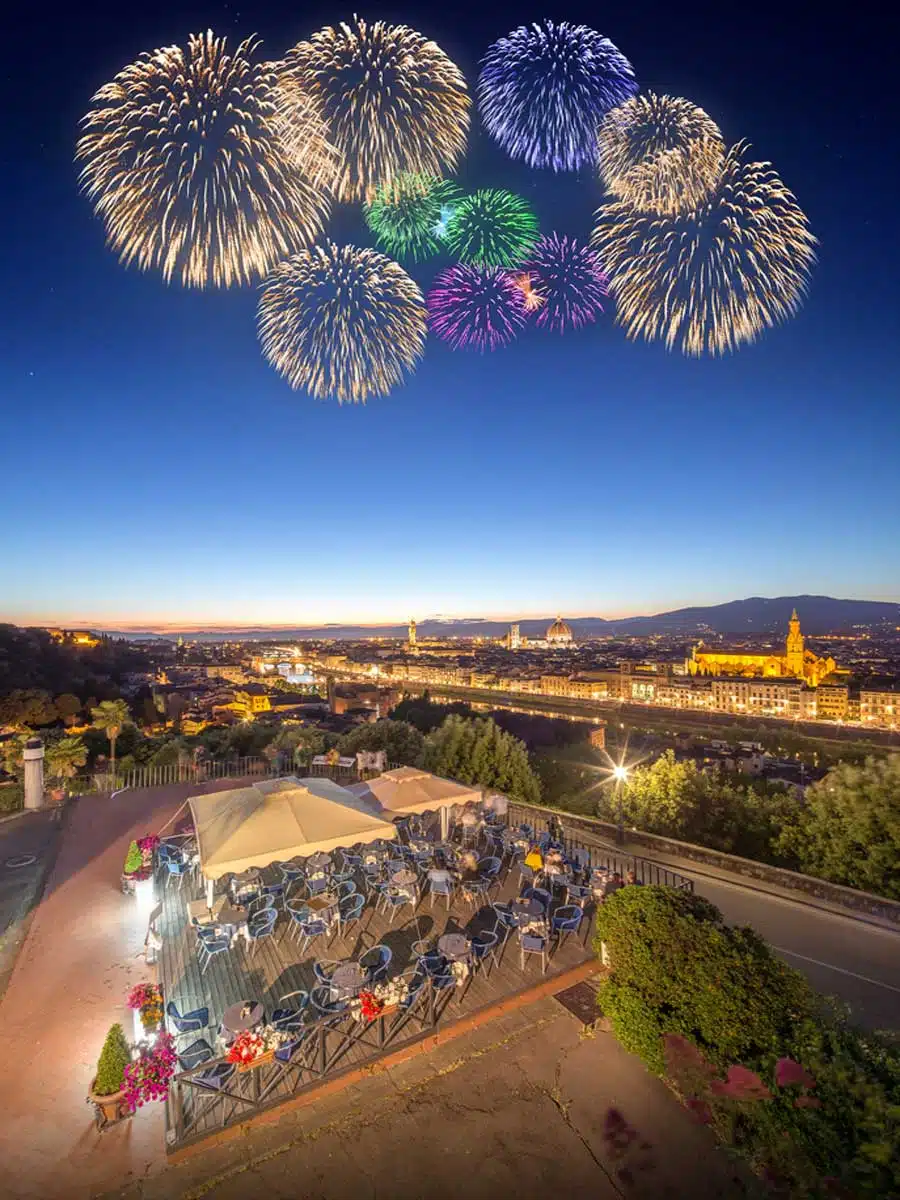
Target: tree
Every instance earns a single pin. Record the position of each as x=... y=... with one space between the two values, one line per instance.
x=479 y=752
x=149 y=713
x=848 y=830
x=64 y=758
x=25 y=708
x=68 y=706
x=175 y=708
x=111 y=716
x=424 y=714
x=401 y=742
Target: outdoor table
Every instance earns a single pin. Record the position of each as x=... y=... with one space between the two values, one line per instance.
x=454 y=946
x=527 y=910
x=404 y=877
x=324 y=907
x=246 y=882
x=235 y=1022
x=346 y=980
x=320 y=861
x=200 y=914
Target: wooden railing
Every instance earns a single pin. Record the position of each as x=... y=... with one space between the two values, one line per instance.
x=194 y=1109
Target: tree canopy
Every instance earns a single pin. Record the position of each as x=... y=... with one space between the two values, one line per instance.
x=479 y=752
x=398 y=739
x=848 y=830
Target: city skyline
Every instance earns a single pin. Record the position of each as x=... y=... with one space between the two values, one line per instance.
x=158 y=471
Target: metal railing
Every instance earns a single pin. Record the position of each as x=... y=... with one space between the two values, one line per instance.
x=599 y=855
x=194 y=1110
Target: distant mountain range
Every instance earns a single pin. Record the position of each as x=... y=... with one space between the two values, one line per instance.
x=757 y=614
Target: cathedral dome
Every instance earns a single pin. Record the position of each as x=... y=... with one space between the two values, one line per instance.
x=559 y=631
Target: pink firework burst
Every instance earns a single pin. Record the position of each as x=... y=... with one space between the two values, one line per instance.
x=568 y=277
x=472 y=308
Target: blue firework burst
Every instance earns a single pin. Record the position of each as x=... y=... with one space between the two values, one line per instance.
x=543 y=90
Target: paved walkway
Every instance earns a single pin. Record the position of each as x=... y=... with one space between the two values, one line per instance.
x=525 y=1107
x=69 y=985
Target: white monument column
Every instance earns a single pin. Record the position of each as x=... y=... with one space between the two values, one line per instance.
x=34 y=773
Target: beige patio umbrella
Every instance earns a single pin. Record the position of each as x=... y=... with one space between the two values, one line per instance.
x=410 y=790
x=279 y=819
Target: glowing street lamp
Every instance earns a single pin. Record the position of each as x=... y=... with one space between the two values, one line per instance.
x=620 y=773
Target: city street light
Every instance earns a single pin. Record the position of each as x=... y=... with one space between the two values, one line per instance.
x=620 y=773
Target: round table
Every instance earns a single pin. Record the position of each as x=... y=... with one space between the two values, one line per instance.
x=235 y=1022
x=320 y=861
x=527 y=910
x=403 y=877
x=454 y=946
x=346 y=980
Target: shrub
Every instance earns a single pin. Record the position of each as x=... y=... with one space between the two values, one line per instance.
x=114 y=1058
x=134 y=860
x=740 y=1014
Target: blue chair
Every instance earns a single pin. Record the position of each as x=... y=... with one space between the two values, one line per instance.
x=320 y=998
x=526 y=875
x=540 y=894
x=532 y=943
x=484 y=951
x=291 y=874
x=311 y=929
x=177 y=868
x=259 y=927
x=543 y=840
x=323 y=969
x=375 y=963
x=274 y=892
x=290 y=1020
x=577 y=894
x=346 y=888
x=392 y=902
x=191 y=1022
x=475 y=890
x=297 y=913
x=397 y=864
x=490 y=866
x=315 y=887
x=351 y=911
x=210 y=947
x=581 y=860
x=567 y=919
x=350 y=862
x=444 y=984
x=433 y=963
x=259 y=905
x=506 y=921
x=441 y=887
x=212 y=1080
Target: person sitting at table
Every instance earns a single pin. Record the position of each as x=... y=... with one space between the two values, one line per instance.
x=468 y=867
x=613 y=885
x=534 y=859
x=630 y=877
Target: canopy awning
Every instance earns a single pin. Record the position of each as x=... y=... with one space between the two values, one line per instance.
x=279 y=819
x=409 y=790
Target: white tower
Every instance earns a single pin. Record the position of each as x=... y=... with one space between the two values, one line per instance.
x=412 y=634
x=515 y=638
x=34 y=773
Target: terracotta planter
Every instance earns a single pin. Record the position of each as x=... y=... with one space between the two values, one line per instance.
x=111 y=1106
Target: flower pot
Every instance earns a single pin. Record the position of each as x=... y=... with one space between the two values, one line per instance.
x=112 y=1106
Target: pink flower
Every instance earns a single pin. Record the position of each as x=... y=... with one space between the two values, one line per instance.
x=789 y=1074
x=699 y=1109
x=807 y=1102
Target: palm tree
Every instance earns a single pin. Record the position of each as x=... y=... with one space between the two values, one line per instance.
x=63 y=758
x=111 y=716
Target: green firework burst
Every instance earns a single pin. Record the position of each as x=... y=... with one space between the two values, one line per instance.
x=410 y=219
x=492 y=228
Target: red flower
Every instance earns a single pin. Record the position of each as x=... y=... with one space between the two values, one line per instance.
x=699 y=1109
x=741 y=1084
x=789 y=1073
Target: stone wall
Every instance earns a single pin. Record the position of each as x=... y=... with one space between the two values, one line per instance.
x=863 y=903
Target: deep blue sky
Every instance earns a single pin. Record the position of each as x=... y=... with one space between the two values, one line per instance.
x=153 y=466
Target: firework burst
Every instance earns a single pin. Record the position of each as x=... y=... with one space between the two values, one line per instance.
x=299 y=123
x=492 y=228
x=714 y=278
x=543 y=91
x=570 y=281
x=392 y=100
x=410 y=219
x=474 y=309
x=341 y=322
x=661 y=154
x=533 y=300
x=184 y=164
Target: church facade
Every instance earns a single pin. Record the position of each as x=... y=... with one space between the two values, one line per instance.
x=795 y=663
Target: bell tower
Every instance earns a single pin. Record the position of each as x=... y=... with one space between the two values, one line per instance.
x=412 y=634
x=793 y=648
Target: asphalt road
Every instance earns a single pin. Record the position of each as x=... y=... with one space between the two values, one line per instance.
x=855 y=961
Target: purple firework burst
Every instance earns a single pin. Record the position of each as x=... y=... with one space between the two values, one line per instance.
x=544 y=89
x=475 y=309
x=568 y=281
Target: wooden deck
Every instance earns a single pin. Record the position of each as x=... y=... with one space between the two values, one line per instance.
x=275 y=969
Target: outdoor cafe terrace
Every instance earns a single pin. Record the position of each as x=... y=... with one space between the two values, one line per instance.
x=340 y=958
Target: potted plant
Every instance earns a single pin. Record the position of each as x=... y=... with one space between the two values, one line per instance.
x=107 y=1088
x=146 y=1000
x=148 y=1076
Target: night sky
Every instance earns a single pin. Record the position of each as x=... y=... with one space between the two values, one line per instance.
x=154 y=467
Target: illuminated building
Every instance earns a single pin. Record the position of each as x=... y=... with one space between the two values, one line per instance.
x=880 y=706
x=513 y=638
x=75 y=637
x=411 y=638
x=832 y=701
x=597 y=737
x=558 y=637
x=796 y=662
x=764 y=696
